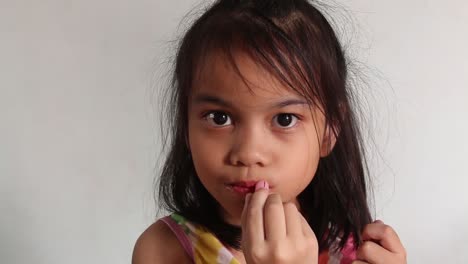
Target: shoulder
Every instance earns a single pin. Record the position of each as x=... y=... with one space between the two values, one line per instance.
x=158 y=244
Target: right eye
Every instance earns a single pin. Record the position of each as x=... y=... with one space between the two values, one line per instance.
x=217 y=118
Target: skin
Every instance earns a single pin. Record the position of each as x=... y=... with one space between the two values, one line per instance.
x=382 y=245
x=251 y=145
x=275 y=232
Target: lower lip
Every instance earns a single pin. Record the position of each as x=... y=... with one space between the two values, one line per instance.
x=241 y=189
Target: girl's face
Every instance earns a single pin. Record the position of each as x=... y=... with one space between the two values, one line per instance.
x=238 y=136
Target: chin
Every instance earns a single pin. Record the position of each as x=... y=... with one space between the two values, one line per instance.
x=232 y=215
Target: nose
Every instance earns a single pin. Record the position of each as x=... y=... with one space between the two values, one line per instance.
x=250 y=148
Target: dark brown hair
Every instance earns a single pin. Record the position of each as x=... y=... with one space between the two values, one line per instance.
x=294 y=41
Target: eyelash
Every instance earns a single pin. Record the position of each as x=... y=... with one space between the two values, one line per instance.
x=206 y=114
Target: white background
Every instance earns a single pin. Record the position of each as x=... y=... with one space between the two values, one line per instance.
x=79 y=131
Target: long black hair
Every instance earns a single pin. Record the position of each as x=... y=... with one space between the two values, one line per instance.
x=294 y=41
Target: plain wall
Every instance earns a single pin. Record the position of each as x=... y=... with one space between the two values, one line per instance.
x=79 y=130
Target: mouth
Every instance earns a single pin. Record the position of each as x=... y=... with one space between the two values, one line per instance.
x=242 y=187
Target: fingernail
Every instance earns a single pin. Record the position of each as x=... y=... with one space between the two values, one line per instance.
x=261 y=185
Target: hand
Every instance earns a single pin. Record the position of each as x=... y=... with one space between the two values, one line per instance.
x=275 y=233
x=381 y=245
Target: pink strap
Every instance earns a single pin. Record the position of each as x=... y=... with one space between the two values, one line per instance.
x=180 y=234
x=348 y=252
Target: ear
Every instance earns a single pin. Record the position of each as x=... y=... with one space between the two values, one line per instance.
x=328 y=140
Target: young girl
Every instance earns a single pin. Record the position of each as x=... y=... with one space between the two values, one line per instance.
x=266 y=163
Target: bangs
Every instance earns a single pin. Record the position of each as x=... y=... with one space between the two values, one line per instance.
x=293 y=42
x=265 y=43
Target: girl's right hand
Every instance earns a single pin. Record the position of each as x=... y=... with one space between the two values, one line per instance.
x=275 y=233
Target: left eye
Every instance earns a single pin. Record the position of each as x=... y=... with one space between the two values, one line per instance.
x=285 y=120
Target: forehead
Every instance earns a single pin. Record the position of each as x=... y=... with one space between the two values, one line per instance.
x=238 y=77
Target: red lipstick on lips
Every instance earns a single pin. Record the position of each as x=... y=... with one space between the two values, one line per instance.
x=243 y=187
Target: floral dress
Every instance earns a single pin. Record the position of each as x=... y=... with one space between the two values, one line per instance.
x=204 y=248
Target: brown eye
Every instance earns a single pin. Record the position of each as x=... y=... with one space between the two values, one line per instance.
x=218 y=118
x=286 y=120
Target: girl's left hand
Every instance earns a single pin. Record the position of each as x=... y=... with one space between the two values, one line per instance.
x=381 y=245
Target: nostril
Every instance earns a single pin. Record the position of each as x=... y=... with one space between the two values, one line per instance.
x=247 y=157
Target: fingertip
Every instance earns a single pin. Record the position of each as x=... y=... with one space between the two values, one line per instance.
x=262 y=185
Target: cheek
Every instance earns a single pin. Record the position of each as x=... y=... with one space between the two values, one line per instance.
x=299 y=162
x=206 y=153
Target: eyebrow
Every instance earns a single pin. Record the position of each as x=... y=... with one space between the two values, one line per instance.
x=206 y=98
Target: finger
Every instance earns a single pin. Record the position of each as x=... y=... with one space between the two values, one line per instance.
x=293 y=220
x=384 y=235
x=252 y=225
x=306 y=229
x=359 y=262
x=246 y=203
x=373 y=253
x=247 y=199
x=275 y=226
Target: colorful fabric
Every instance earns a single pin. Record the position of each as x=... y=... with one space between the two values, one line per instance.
x=204 y=248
